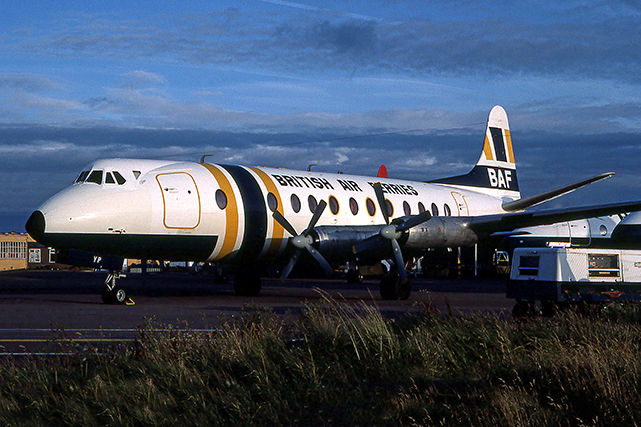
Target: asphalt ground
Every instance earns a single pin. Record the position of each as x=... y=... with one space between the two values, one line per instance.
x=49 y=312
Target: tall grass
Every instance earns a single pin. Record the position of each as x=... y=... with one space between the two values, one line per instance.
x=342 y=364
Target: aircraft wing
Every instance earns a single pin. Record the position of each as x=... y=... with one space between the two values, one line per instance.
x=500 y=223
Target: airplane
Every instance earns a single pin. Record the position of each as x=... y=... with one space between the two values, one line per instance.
x=249 y=217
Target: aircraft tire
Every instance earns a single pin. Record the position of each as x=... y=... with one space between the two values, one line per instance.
x=117 y=295
x=247 y=285
x=388 y=287
x=403 y=290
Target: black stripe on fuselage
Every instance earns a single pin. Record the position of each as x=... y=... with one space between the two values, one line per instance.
x=255 y=211
x=145 y=246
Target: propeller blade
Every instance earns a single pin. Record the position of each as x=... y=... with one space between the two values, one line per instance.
x=290 y=266
x=413 y=221
x=317 y=214
x=375 y=242
x=400 y=263
x=380 y=197
x=284 y=223
x=327 y=268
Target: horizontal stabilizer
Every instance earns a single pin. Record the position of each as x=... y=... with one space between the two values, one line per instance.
x=528 y=202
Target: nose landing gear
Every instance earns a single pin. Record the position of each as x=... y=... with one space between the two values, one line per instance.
x=112 y=293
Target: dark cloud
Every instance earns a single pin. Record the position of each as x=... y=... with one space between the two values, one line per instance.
x=604 y=46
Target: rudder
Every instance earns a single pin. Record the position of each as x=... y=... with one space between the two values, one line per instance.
x=495 y=171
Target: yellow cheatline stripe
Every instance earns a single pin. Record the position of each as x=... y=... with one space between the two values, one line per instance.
x=508 y=138
x=487 y=149
x=277 y=230
x=231 y=211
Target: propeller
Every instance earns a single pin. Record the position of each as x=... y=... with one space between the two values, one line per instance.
x=391 y=232
x=303 y=240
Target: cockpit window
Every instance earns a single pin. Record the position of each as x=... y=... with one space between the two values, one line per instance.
x=95 y=177
x=81 y=177
x=109 y=179
x=119 y=178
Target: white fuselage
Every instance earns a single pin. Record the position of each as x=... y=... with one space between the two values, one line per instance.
x=207 y=212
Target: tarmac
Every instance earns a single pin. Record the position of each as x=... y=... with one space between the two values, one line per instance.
x=59 y=312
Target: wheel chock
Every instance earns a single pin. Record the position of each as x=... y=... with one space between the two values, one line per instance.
x=130 y=302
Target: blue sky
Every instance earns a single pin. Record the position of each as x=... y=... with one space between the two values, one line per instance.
x=282 y=83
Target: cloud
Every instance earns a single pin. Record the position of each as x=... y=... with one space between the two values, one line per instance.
x=28 y=82
x=577 y=42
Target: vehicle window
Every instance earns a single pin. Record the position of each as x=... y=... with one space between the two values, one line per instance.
x=82 y=176
x=353 y=206
x=421 y=207
x=109 y=179
x=311 y=201
x=119 y=178
x=95 y=177
x=406 y=208
x=221 y=199
x=333 y=205
x=371 y=207
x=272 y=201
x=390 y=208
x=434 y=209
x=295 y=203
x=529 y=265
x=448 y=211
x=136 y=174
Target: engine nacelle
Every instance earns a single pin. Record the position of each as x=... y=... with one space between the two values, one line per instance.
x=337 y=242
x=440 y=232
x=627 y=234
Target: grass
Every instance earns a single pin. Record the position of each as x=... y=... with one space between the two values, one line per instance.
x=341 y=364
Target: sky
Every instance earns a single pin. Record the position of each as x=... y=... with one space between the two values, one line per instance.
x=344 y=85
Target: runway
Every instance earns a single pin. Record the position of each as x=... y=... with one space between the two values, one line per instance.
x=61 y=311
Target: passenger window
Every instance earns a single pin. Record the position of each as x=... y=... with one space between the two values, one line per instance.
x=353 y=206
x=448 y=211
x=333 y=205
x=390 y=208
x=421 y=207
x=109 y=179
x=371 y=207
x=119 y=178
x=406 y=208
x=311 y=201
x=272 y=201
x=95 y=177
x=434 y=209
x=221 y=199
x=295 y=203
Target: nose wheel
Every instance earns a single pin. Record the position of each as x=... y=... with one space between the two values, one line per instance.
x=112 y=293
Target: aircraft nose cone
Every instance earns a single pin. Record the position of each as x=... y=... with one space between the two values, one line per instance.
x=36 y=225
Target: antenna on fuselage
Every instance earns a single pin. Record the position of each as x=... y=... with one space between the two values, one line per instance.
x=309 y=168
x=202 y=159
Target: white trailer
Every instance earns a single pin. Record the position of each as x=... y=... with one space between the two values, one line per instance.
x=566 y=275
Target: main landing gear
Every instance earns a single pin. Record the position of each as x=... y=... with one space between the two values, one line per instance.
x=393 y=287
x=112 y=293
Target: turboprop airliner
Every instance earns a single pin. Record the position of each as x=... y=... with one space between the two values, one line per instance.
x=248 y=217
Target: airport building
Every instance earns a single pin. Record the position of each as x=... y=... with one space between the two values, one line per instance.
x=18 y=251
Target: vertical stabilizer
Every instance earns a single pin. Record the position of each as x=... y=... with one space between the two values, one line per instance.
x=495 y=172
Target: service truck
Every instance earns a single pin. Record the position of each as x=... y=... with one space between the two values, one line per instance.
x=564 y=275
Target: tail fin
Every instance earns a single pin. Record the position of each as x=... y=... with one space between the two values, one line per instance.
x=495 y=172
